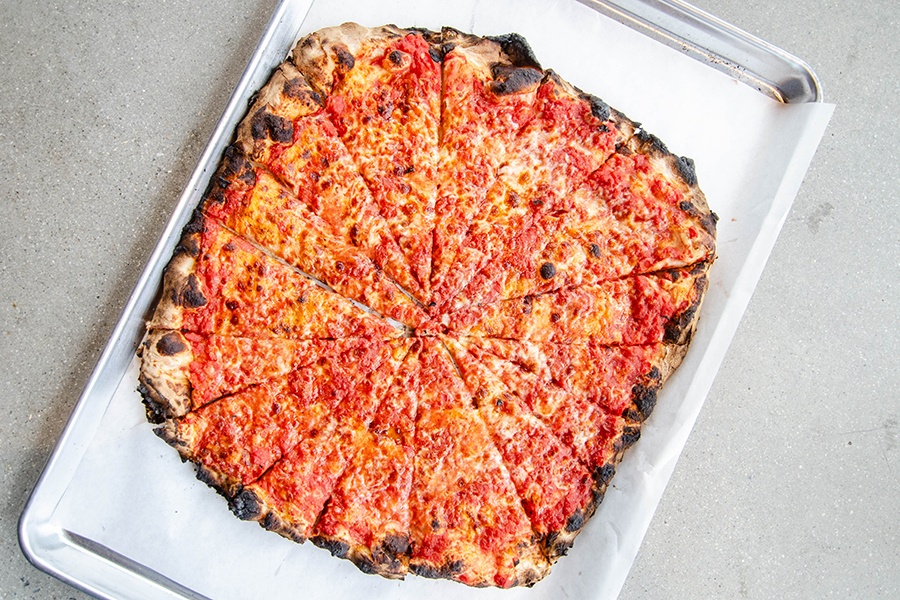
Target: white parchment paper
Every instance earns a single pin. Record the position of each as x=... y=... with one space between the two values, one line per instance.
x=132 y=494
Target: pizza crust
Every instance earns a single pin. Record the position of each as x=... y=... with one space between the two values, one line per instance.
x=299 y=88
x=286 y=97
x=643 y=402
x=180 y=289
x=681 y=171
x=165 y=374
x=681 y=327
x=327 y=52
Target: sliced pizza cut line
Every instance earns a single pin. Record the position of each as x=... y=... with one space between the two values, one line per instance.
x=489 y=86
x=570 y=135
x=251 y=202
x=467 y=523
x=589 y=394
x=405 y=330
x=593 y=399
x=382 y=88
x=426 y=304
x=367 y=518
x=555 y=489
x=640 y=212
x=644 y=309
x=236 y=439
x=182 y=371
x=290 y=497
x=218 y=282
x=297 y=143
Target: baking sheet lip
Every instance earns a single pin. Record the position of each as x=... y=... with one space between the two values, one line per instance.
x=40 y=507
x=799 y=85
x=49 y=489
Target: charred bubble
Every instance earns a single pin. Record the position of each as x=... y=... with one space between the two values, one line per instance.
x=548 y=271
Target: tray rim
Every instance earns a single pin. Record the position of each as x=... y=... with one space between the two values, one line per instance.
x=54 y=549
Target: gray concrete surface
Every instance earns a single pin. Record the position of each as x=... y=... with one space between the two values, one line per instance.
x=790 y=484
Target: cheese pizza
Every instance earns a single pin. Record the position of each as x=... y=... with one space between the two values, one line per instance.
x=426 y=303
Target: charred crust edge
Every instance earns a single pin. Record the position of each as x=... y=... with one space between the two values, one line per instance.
x=513 y=80
x=336 y=547
x=265 y=125
x=685 y=167
x=234 y=168
x=246 y=505
x=446 y=571
x=680 y=327
x=644 y=395
x=275 y=524
x=600 y=109
x=170 y=344
x=155 y=406
x=216 y=481
x=517 y=49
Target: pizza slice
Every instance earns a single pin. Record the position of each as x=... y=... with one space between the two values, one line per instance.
x=251 y=202
x=219 y=283
x=638 y=213
x=592 y=397
x=489 y=86
x=382 y=88
x=467 y=522
x=643 y=309
x=182 y=371
x=287 y=131
x=236 y=439
x=367 y=518
x=570 y=136
x=291 y=495
x=556 y=490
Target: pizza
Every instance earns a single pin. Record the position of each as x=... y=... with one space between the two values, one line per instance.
x=426 y=303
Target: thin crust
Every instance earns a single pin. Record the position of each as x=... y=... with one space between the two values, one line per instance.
x=286 y=97
x=643 y=402
x=678 y=169
x=479 y=451
x=165 y=374
x=323 y=54
x=180 y=288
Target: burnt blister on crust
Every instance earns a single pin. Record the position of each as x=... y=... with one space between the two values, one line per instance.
x=170 y=344
x=599 y=108
x=517 y=49
x=685 y=167
x=274 y=523
x=299 y=89
x=217 y=482
x=604 y=474
x=630 y=435
x=386 y=559
x=268 y=126
x=644 y=395
x=190 y=296
x=513 y=80
x=245 y=505
x=343 y=57
x=337 y=548
x=235 y=167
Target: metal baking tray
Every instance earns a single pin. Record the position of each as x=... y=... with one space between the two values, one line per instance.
x=104 y=572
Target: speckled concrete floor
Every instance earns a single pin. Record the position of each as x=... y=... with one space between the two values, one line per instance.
x=790 y=484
